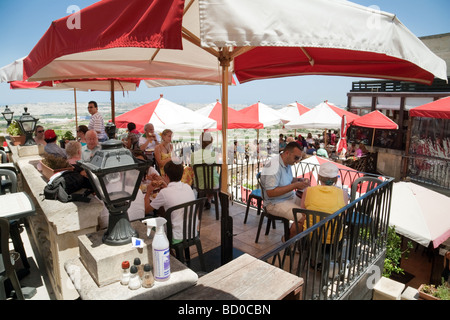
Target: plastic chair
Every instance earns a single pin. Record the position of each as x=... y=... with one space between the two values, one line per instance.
x=192 y=215
x=7 y=270
x=204 y=176
x=4 y=158
x=271 y=219
x=8 y=181
x=257 y=195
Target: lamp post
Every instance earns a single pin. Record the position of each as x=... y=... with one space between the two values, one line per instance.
x=8 y=115
x=116 y=176
x=27 y=124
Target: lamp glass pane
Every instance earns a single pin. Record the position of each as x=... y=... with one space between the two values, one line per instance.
x=121 y=184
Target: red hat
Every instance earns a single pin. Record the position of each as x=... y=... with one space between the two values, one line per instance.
x=49 y=134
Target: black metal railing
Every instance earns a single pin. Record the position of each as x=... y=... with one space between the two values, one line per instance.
x=428 y=170
x=358 y=238
x=438 y=85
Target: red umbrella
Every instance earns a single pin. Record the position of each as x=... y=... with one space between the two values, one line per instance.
x=342 y=144
x=437 y=109
x=375 y=120
x=235 y=119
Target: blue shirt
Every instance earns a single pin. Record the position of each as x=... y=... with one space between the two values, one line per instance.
x=276 y=174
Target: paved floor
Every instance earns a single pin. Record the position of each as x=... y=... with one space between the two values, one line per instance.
x=243 y=240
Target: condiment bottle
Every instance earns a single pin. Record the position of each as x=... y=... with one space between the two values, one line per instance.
x=125 y=273
x=135 y=280
x=139 y=266
x=148 y=280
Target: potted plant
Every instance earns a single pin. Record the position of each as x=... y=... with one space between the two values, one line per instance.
x=51 y=164
x=16 y=135
x=66 y=137
x=431 y=292
x=394 y=253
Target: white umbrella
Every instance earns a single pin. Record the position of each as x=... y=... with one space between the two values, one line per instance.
x=420 y=214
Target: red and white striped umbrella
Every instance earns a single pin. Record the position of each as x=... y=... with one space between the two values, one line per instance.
x=164 y=114
x=293 y=111
x=262 y=113
x=235 y=119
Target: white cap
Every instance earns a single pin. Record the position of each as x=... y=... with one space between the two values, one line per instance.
x=328 y=170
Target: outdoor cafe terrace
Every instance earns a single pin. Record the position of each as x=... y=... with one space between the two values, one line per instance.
x=338 y=270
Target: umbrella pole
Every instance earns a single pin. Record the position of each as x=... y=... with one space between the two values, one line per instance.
x=226 y=223
x=373 y=136
x=76 y=115
x=113 y=116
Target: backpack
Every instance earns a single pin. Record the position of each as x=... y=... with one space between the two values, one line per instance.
x=62 y=186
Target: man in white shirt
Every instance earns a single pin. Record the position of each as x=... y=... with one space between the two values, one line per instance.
x=174 y=194
x=91 y=147
x=149 y=141
x=96 y=123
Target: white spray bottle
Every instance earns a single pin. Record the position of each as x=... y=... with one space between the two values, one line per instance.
x=160 y=248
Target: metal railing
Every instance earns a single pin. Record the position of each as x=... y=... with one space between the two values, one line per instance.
x=358 y=239
x=428 y=170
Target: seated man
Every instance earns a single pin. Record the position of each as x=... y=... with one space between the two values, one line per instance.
x=174 y=194
x=92 y=146
x=325 y=197
x=51 y=147
x=279 y=184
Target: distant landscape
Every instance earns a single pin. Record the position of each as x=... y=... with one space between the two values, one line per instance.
x=61 y=118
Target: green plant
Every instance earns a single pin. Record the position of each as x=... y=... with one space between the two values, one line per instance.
x=14 y=129
x=441 y=292
x=394 y=253
x=68 y=136
x=55 y=162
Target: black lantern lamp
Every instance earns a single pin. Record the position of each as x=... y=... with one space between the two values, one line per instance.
x=110 y=130
x=116 y=176
x=8 y=115
x=27 y=124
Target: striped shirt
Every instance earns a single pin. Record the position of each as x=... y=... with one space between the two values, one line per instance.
x=98 y=125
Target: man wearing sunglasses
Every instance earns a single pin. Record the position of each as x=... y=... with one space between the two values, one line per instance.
x=279 y=185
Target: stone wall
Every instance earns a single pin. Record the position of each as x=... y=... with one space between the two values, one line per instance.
x=56 y=226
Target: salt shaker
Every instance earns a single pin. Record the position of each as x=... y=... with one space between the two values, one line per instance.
x=125 y=273
x=135 y=280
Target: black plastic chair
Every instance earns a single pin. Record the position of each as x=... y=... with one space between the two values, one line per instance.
x=8 y=181
x=192 y=215
x=271 y=219
x=204 y=175
x=3 y=157
x=7 y=270
x=256 y=194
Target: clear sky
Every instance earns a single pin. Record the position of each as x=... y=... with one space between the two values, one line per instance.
x=23 y=22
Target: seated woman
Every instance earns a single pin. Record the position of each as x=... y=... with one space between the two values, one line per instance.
x=81 y=134
x=362 y=150
x=73 y=150
x=132 y=141
x=163 y=154
x=51 y=147
x=39 y=135
x=325 y=197
x=351 y=152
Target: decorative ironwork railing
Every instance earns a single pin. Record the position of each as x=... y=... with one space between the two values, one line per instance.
x=428 y=170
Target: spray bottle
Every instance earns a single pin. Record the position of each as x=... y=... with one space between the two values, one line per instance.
x=160 y=248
